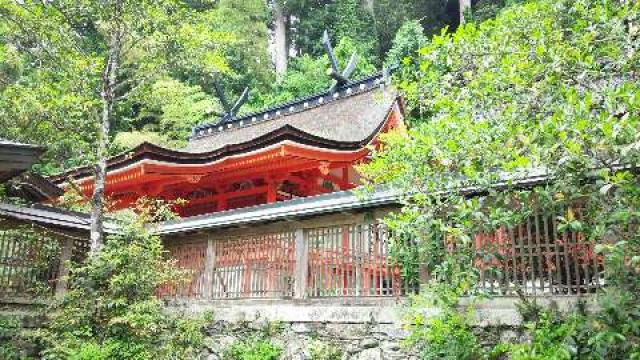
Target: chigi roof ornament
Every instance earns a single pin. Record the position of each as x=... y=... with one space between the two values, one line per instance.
x=340 y=78
x=229 y=111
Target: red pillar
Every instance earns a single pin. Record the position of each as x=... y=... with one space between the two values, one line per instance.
x=272 y=190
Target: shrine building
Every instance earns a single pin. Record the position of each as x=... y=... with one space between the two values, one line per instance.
x=299 y=149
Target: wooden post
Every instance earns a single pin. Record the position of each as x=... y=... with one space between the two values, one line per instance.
x=209 y=269
x=272 y=192
x=63 y=267
x=302 y=264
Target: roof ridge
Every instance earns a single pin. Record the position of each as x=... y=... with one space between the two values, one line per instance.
x=362 y=85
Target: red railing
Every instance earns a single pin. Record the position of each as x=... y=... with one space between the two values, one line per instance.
x=357 y=260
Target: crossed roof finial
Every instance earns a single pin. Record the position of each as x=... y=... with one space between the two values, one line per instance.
x=340 y=78
x=229 y=111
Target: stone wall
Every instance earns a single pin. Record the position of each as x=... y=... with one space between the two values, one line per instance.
x=299 y=339
x=360 y=328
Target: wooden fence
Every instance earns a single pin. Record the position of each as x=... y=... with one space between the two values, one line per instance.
x=357 y=260
x=352 y=260
x=31 y=259
x=344 y=260
x=537 y=259
x=251 y=266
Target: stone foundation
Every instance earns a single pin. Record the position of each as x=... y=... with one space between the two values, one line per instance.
x=360 y=328
x=298 y=340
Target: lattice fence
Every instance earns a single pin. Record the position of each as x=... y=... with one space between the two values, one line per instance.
x=360 y=260
x=352 y=260
x=251 y=266
x=538 y=259
x=190 y=257
x=254 y=266
x=28 y=262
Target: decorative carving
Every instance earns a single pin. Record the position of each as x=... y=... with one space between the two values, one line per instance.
x=324 y=167
x=193 y=179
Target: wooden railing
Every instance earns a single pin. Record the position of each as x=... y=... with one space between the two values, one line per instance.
x=352 y=260
x=357 y=260
x=250 y=266
x=32 y=260
x=536 y=258
x=341 y=260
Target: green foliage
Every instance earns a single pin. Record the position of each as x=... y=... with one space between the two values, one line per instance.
x=544 y=87
x=353 y=22
x=550 y=335
x=408 y=40
x=449 y=337
x=56 y=54
x=247 y=53
x=490 y=103
x=390 y=15
x=171 y=109
x=487 y=9
x=319 y=350
x=111 y=310
x=10 y=328
x=252 y=349
x=372 y=25
x=447 y=334
x=611 y=330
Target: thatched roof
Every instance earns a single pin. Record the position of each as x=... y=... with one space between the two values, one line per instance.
x=351 y=115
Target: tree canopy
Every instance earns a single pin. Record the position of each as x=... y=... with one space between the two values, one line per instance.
x=52 y=55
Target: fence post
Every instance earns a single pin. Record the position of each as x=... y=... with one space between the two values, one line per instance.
x=209 y=269
x=63 y=267
x=302 y=264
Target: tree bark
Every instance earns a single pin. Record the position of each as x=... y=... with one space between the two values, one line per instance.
x=465 y=6
x=108 y=97
x=281 y=48
x=370 y=6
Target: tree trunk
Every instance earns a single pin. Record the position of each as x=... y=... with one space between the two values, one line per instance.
x=281 y=49
x=107 y=95
x=370 y=6
x=465 y=7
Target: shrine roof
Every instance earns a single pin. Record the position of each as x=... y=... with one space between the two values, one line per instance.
x=16 y=158
x=341 y=201
x=53 y=217
x=349 y=115
x=346 y=120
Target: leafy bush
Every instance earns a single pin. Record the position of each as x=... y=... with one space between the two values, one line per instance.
x=547 y=86
x=9 y=333
x=550 y=339
x=611 y=330
x=111 y=311
x=252 y=349
x=446 y=336
x=320 y=350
